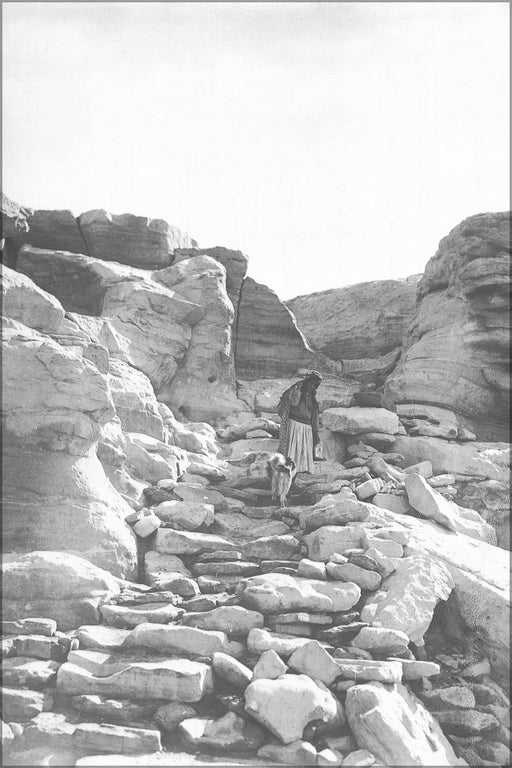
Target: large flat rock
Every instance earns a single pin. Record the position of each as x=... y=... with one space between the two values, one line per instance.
x=278 y=592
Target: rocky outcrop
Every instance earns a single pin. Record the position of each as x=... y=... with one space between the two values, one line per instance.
x=362 y=325
x=14 y=217
x=269 y=342
x=456 y=350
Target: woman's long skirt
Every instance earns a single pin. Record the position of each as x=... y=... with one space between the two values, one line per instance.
x=298 y=445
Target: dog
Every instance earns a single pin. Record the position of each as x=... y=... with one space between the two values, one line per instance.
x=281 y=472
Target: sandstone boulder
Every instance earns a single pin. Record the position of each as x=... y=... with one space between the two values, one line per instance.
x=231 y=732
x=61 y=586
x=393 y=725
x=286 y=705
x=273 y=592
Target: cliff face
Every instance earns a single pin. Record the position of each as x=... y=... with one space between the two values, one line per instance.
x=456 y=351
x=362 y=324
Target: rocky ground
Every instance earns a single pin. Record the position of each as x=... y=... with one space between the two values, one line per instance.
x=158 y=607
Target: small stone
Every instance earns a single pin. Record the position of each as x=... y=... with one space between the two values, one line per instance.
x=107 y=737
x=20 y=705
x=125 y=616
x=342 y=559
x=169 y=716
x=380 y=639
x=231 y=670
x=270 y=666
x=237 y=568
x=361 y=757
x=368 y=489
x=184 y=586
x=269 y=566
x=393 y=502
x=313 y=660
x=343 y=744
x=465 y=721
x=25 y=672
x=148 y=525
x=186 y=515
x=416 y=670
x=230 y=732
x=364 y=560
x=454 y=696
x=394 y=533
x=348 y=572
x=286 y=705
x=106 y=709
x=209 y=586
x=7 y=736
x=30 y=626
x=423 y=468
x=232 y=619
x=478 y=669
x=219 y=555
x=385 y=566
x=366 y=671
x=386 y=547
x=272 y=547
x=297 y=753
x=494 y=751
x=40 y=647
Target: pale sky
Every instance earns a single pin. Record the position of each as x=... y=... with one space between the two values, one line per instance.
x=333 y=143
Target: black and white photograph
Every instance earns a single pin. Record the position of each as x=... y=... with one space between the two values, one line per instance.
x=256 y=384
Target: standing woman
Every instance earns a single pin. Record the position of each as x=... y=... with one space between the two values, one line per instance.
x=299 y=438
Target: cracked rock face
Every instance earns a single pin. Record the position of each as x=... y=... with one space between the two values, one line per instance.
x=361 y=324
x=456 y=350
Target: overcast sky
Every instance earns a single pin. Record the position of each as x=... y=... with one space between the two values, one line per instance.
x=333 y=143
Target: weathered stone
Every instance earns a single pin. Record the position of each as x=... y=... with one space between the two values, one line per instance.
x=166 y=638
x=102 y=637
x=230 y=732
x=408 y=597
x=296 y=753
x=476 y=670
x=329 y=757
x=274 y=592
x=313 y=660
x=169 y=716
x=260 y=640
x=232 y=619
x=40 y=647
x=381 y=640
x=286 y=705
x=173 y=542
x=185 y=514
x=386 y=547
x=231 y=670
x=30 y=626
x=310 y=569
x=415 y=670
x=340 y=512
x=348 y=572
x=238 y=568
x=394 y=726
x=456 y=696
x=158 y=563
x=329 y=539
x=385 y=566
x=360 y=757
x=368 y=489
x=270 y=666
x=272 y=547
x=20 y=705
x=106 y=709
x=355 y=421
x=116 y=738
x=130 y=616
x=366 y=669
x=146 y=526
x=179 y=680
x=20 y=672
x=176 y=583
x=393 y=502
x=465 y=721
